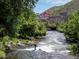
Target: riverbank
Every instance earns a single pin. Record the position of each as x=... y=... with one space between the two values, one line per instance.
x=14 y=44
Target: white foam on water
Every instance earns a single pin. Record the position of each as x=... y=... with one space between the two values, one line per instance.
x=51 y=43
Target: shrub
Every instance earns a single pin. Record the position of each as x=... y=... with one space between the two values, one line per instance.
x=74 y=48
x=2 y=54
x=71 y=31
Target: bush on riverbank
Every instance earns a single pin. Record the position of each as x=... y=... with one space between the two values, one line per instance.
x=71 y=31
x=32 y=28
x=50 y=25
x=2 y=54
x=74 y=48
x=61 y=27
x=14 y=41
x=13 y=44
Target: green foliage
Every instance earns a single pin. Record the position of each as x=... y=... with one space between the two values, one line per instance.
x=9 y=12
x=49 y=24
x=19 y=20
x=2 y=54
x=74 y=48
x=70 y=28
x=71 y=31
x=32 y=28
x=40 y=29
x=18 y=6
x=61 y=27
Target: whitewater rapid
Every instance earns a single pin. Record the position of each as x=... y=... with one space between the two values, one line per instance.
x=51 y=46
x=54 y=41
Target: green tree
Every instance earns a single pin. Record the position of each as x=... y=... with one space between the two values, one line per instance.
x=71 y=28
x=32 y=27
x=71 y=31
x=9 y=12
x=19 y=19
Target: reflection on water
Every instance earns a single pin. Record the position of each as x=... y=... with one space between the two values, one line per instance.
x=53 y=46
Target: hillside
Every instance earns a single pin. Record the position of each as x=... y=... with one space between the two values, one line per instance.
x=69 y=7
x=59 y=14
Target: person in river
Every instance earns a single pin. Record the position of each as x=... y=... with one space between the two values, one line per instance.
x=35 y=46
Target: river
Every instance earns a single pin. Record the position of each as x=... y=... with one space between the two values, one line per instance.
x=52 y=46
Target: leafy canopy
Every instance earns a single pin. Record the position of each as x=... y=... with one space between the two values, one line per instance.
x=10 y=10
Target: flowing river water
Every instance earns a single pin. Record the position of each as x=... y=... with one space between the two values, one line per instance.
x=52 y=46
